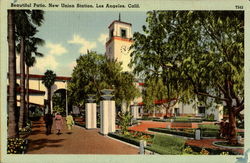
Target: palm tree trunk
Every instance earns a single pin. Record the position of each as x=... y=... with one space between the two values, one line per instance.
x=12 y=108
x=26 y=111
x=49 y=100
x=22 y=84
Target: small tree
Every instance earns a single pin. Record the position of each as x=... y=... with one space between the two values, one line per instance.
x=124 y=121
x=48 y=80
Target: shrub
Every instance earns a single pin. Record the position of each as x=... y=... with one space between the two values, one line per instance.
x=224 y=153
x=204 y=152
x=58 y=109
x=124 y=120
x=210 y=117
x=188 y=150
x=16 y=146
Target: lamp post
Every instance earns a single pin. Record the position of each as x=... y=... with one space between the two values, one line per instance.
x=66 y=96
x=66 y=99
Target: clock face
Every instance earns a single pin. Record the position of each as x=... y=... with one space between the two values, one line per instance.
x=124 y=49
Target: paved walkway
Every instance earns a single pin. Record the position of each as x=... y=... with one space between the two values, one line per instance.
x=78 y=141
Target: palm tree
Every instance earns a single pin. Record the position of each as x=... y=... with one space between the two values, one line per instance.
x=12 y=112
x=26 y=22
x=48 y=80
x=30 y=60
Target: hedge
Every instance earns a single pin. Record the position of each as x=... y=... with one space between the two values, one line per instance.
x=164 y=144
x=207 y=133
x=148 y=118
x=126 y=139
x=169 y=131
x=179 y=120
x=209 y=126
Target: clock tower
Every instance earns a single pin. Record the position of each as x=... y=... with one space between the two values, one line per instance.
x=119 y=42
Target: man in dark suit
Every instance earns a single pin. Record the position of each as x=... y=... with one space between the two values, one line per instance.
x=48 y=118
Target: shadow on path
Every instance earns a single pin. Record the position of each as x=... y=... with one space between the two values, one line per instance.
x=41 y=143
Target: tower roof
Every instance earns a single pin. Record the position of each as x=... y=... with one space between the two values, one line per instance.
x=118 y=21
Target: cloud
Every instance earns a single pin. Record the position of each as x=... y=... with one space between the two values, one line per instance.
x=56 y=49
x=45 y=63
x=102 y=38
x=49 y=60
x=85 y=45
x=72 y=65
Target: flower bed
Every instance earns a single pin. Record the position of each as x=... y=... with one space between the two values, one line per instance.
x=17 y=146
x=132 y=137
x=180 y=132
x=212 y=151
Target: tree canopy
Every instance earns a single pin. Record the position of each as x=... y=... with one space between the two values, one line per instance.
x=197 y=54
x=95 y=72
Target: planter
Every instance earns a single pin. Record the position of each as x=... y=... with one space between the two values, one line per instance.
x=107 y=97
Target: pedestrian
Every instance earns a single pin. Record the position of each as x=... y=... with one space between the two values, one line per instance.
x=48 y=118
x=70 y=121
x=59 y=122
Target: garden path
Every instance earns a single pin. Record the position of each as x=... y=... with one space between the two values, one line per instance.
x=79 y=141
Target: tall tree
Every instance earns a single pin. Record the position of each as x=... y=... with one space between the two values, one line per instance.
x=30 y=59
x=198 y=54
x=12 y=108
x=26 y=23
x=48 y=80
x=100 y=74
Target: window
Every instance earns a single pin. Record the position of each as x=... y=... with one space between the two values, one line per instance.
x=111 y=34
x=177 y=111
x=201 y=110
x=123 y=33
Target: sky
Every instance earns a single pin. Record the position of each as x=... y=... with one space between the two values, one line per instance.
x=68 y=34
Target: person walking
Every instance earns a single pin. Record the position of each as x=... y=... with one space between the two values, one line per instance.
x=48 y=118
x=59 y=122
x=70 y=121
